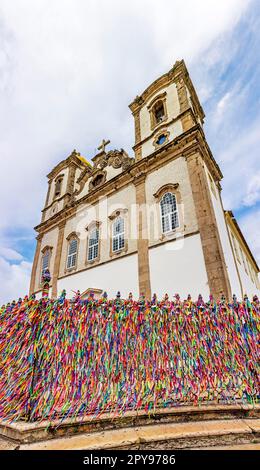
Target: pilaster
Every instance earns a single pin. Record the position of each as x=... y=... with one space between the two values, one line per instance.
x=211 y=244
x=142 y=238
x=56 y=268
x=35 y=263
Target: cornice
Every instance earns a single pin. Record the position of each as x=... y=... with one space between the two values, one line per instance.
x=155 y=86
x=177 y=73
x=184 y=145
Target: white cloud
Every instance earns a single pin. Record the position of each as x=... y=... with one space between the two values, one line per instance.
x=240 y=162
x=73 y=70
x=69 y=69
x=14 y=279
x=250 y=226
x=253 y=191
x=10 y=254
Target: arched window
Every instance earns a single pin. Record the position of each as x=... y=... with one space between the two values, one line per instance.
x=158 y=109
x=72 y=253
x=98 y=180
x=58 y=184
x=118 y=234
x=159 y=113
x=169 y=212
x=93 y=244
x=45 y=260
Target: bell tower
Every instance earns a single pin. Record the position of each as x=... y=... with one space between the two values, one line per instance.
x=168 y=108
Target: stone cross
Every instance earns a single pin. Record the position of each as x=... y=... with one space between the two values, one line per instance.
x=103 y=144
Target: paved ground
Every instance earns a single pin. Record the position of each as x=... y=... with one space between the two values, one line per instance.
x=191 y=434
x=7 y=445
x=252 y=446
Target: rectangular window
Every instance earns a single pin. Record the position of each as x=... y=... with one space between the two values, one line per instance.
x=72 y=253
x=118 y=239
x=93 y=245
x=169 y=213
x=45 y=261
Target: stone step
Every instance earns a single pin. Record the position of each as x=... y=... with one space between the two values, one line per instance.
x=252 y=446
x=5 y=444
x=161 y=436
x=23 y=432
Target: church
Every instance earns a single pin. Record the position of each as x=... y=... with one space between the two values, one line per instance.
x=150 y=222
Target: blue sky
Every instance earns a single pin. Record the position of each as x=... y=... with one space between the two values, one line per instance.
x=68 y=74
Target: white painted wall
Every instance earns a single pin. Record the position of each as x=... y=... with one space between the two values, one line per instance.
x=179 y=267
x=175 y=129
x=228 y=255
x=55 y=207
x=222 y=228
x=120 y=274
x=248 y=286
x=86 y=214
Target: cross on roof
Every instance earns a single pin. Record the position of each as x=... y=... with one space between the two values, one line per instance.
x=103 y=144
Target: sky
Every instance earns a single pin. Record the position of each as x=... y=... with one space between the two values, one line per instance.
x=70 y=68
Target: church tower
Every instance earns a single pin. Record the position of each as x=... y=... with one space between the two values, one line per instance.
x=169 y=119
x=167 y=108
x=152 y=223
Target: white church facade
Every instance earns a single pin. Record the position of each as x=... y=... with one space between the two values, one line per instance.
x=149 y=223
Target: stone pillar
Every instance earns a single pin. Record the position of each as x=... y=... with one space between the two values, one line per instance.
x=185 y=108
x=71 y=179
x=48 y=194
x=35 y=263
x=46 y=201
x=142 y=239
x=182 y=94
x=138 y=148
x=211 y=244
x=56 y=268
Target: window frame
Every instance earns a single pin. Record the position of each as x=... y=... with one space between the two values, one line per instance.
x=92 y=247
x=72 y=237
x=58 y=180
x=46 y=250
x=159 y=99
x=118 y=236
x=161 y=132
x=119 y=213
x=169 y=215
